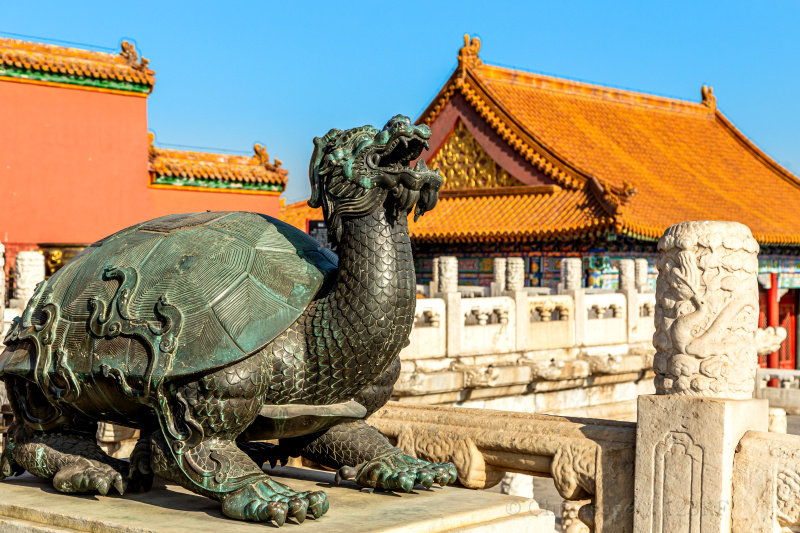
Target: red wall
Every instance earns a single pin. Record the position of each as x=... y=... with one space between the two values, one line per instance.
x=73 y=167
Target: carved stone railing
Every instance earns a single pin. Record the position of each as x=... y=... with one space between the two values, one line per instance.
x=587 y=459
x=766 y=483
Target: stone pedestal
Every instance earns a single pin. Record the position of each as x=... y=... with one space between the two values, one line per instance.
x=30 y=505
x=684 y=461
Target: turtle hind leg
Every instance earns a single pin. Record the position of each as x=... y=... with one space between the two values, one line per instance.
x=64 y=450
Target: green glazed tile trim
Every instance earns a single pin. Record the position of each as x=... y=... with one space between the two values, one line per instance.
x=13 y=72
x=217 y=184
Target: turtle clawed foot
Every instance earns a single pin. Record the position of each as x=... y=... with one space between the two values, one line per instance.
x=403 y=472
x=92 y=477
x=265 y=500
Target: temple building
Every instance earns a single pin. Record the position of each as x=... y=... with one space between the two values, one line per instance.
x=545 y=168
x=78 y=162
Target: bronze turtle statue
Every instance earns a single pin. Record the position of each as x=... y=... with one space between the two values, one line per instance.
x=213 y=331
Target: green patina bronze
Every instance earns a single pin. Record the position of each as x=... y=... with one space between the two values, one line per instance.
x=211 y=331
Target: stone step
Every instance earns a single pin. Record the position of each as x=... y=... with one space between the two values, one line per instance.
x=31 y=505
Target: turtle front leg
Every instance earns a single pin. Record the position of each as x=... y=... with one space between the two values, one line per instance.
x=360 y=452
x=244 y=491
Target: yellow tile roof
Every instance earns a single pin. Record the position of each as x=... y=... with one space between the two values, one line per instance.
x=493 y=214
x=655 y=161
x=255 y=170
x=47 y=59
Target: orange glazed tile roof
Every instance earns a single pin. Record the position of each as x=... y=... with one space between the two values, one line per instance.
x=178 y=167
x=507 y=213
x=654 y=161
x=50 y=63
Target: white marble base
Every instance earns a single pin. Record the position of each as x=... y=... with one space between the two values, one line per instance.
x=31 y=505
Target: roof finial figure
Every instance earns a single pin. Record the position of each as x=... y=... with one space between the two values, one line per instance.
x=131 y=56
x=468 y=54
x=708 y=97
x=261 y=154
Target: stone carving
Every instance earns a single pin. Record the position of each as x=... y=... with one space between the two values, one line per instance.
x=768 y=340
x=466 y=165
x=543 y=309
x=641 y=275
x=647 y=309
x=599 y=312
x=484 y=312
x=573 y=470
x=448 y=274
x=571 y=273
x=440 y=447
x=116 y=441
x=678 y=472
x=604 y=364
x=570 y=521
x=515 y=274
x=706 y=310
x=28 y=272
x=627 y=275
x=216 y=331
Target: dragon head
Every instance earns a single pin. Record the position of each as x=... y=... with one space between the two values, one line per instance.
x=357 y=171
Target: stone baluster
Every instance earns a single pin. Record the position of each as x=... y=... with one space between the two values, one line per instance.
x=28 y=272
x=627 y=275
x=572 y=285
x=705 y=364
x=627 y=286
x=571 y=273
x=641 y=275
x=499 y=273
x=448 y=290
x=434 y=285
x=515 y=287
x=448 y=274
x=515 y=274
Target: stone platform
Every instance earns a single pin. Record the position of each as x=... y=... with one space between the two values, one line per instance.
x=31 y=505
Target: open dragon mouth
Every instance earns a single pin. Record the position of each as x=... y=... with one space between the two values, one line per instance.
x=401 y=151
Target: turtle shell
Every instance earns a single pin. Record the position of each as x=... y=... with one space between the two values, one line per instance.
x=237 y=279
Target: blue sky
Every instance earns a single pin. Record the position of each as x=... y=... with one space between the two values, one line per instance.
x=229 y=74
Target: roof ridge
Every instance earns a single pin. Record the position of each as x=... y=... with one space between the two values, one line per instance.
x=590 y=90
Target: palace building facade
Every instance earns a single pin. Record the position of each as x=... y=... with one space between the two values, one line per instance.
x=77 y=162
x=545 y=168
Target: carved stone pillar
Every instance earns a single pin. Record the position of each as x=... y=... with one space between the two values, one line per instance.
x=627 y=277
x=571 y=273
x=706 y=310
x=499 y=271
x=570 y=521
x=515 y=274
x=448 y=274
x=642 y=267
x=28 y=272
x=706 y=318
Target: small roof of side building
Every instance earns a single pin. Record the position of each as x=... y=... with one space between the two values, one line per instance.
x=47 y=63
x=202 y=171
x=639 y=162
